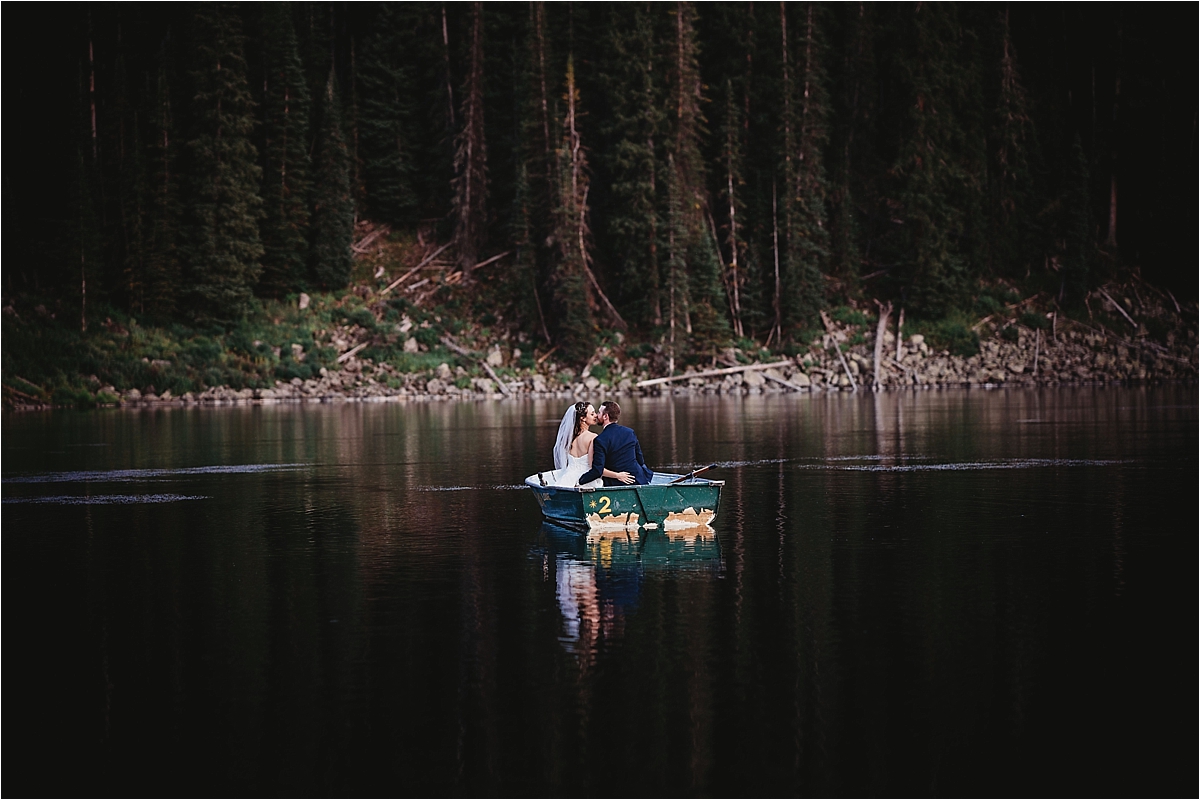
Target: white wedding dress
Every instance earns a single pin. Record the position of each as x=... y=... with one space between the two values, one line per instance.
x=576 y=466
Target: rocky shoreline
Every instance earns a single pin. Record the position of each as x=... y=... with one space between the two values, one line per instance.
x=1076 y=356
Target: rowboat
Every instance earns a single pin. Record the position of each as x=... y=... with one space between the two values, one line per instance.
x=669 y=502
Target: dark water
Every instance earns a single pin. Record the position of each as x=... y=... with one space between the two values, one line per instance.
x=940 y=593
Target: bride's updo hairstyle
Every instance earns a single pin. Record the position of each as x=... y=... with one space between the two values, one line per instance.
x=580 y=416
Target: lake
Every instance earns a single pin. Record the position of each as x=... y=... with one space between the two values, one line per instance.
x=935 y=593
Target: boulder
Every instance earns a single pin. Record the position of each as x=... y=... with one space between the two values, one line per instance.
x=801 y=379
x=304 y=301
x=495 y=357
x=753 y=379
x=434 y=386
x=442 y=372
x=411 y=345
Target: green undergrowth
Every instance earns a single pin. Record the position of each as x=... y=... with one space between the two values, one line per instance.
x=46 y=359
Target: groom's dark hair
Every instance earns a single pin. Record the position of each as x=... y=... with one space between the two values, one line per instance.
x=611 y=409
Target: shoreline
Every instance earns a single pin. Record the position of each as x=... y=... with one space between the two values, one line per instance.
x=1074 y=354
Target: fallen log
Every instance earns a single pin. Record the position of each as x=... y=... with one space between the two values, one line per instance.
x=362 y=245
x=711 y=373
x=454 y=347
x=1117 y=306
x=350 y=353
x=413 y=271
x=795 y=387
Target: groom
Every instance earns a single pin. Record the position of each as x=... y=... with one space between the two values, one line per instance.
x=617 y=449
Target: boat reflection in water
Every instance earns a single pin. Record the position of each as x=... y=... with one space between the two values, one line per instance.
x=599 y=575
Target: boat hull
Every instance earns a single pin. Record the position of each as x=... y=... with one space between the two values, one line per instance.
x=661 y=504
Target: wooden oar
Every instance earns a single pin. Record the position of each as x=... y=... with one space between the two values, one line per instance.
x=691 y=474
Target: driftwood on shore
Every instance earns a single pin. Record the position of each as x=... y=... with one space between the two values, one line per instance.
x=710 y=373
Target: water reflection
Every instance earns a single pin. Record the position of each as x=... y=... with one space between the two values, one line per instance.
x=903 y=592
x=598 y=576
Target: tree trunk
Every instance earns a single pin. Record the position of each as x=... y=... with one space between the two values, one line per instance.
x=885 y=309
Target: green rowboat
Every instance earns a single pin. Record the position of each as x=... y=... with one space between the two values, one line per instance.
x=667 y=503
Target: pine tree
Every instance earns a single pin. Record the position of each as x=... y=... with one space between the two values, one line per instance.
x=1014 y=148
x=163 y=206
x=223 y=246
x=574 y=302
x=692 y=262
x=733 y=205
x=331 y=229
x=852 y=159
x=806 y=238
x=389 y=151
x=1077 y=224
x=470 y=157
x=939 y=166
x=633 y=130
x=285 y=178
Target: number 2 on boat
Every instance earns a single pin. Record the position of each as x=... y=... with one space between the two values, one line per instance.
x=605 y=505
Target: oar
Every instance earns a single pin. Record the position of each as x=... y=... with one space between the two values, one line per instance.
x=691 y=474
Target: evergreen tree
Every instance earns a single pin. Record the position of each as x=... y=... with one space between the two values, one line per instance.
x=1077 y=226
x=163 y=205
x=470 y=157
x=389 y=153
x=692 y=263
x=633 y=130
x=1014 y=147
x=574 y=302
x=852 y=160
x=285 y=178
x=939 y=168
x=806 y=238
x=223 y=246
x=732 y=205
x=331 y=230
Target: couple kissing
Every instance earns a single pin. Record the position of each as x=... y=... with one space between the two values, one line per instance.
x=588 y=460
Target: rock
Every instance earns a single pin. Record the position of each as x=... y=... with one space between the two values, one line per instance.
x=1016 y=367
x=753 y=379
x=592 y=383
x=495 y=358
x=298 y=352
x=166 y=395
x=916 y=340
x=801 y=379
x=304 y=301
x=133 y=394
x=484 y=385
x=297 y=382
x=854 y=366
x=411 y=345
x=516 y=354
x=434 y=386
x=442 y=372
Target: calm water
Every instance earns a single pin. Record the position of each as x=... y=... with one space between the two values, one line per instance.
x=940 y=593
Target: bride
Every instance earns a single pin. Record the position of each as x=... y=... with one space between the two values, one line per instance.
x=573 y=448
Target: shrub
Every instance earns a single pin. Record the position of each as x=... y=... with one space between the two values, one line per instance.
x=1010 y=333
x=1031 y=319
x=849 y=316
x=952 y=333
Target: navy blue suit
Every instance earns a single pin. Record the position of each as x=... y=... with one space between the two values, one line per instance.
x=617 y=449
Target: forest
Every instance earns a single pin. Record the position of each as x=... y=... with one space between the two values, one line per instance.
x=690 y=174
